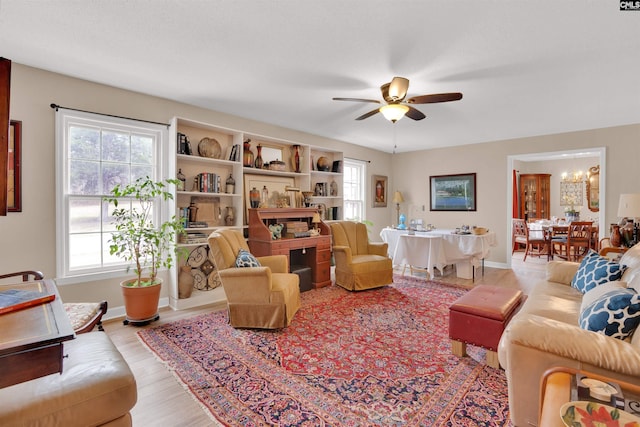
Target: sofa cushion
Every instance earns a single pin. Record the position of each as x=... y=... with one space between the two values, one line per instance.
x=246 y=259
x=616 y=313
x=595 y=270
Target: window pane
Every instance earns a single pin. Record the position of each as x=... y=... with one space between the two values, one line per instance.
x=114 y=173
x=142 y=150
x=141 y=172
x=83 y=177
x=84 y=143
x=84 y=215
x=115 y=146
x=85 y=250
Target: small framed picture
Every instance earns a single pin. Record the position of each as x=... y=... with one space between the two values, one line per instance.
x=453 y=192
x=379 y=191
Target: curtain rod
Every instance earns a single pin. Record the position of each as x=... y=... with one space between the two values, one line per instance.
x=56 y=106
x=360 y=160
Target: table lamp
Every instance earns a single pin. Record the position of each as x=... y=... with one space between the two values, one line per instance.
x=397 y=199
x=315 y=220
x=629 y=207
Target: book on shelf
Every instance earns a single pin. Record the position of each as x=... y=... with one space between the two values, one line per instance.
x=19 y=297
x=609 y=393
x=197 y=224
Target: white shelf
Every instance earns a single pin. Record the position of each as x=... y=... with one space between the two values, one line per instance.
x=254 y=171
x=205 y=194
x=204 y=160
x=323 y=173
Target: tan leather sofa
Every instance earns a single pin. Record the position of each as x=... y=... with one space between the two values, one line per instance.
x=96 y=388
x=264 y=297
x=360 y=264
x=546 y=333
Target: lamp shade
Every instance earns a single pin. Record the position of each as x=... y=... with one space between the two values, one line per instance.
x=394 y=112
x=316 y=218
x=397 y=197
x=629 y=206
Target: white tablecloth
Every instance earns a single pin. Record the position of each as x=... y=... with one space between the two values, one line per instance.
x=437 y=248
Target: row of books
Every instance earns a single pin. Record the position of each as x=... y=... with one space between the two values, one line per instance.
x=191 y=238
x=209 y=182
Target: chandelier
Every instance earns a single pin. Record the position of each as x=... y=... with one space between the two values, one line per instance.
x=574 y=177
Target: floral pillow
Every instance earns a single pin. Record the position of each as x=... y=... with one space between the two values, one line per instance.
x=615 y=314
x=595 y=270
x=245 y=259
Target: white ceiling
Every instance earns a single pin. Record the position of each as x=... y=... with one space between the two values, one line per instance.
x=527 y=67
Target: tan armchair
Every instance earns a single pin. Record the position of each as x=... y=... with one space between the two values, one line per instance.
x=360 y=264
x=265 y=297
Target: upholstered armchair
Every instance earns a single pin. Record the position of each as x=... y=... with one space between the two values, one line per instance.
x=360 y=264
x=265 y=297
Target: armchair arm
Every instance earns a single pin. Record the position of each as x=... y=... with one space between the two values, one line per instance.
x=378 y=248
x=277 y=263
x=342 y=255
x=37 y=275
x=247 y=284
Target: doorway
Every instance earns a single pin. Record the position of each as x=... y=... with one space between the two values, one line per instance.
x=598 y=154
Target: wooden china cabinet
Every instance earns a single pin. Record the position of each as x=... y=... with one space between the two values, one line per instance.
x=534 y=196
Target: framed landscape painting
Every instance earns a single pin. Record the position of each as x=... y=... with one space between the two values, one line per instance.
x=453 y=192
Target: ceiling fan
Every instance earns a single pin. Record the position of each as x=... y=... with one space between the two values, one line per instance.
x=396 y=107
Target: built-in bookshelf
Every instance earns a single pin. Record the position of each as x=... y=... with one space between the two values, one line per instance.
x=205 y=156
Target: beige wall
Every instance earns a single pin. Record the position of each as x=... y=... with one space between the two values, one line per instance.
x=28 y=238
x=411 y=173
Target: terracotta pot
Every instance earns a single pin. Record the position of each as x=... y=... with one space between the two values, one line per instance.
x=616 y=237
x=141 y=303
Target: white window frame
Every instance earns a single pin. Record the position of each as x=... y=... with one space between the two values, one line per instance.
x=359 y=183
x=65 y=118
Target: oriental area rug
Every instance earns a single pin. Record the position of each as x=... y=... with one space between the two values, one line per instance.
x=379 y=357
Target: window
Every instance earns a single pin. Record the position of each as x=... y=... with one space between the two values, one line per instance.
x=94 y=153
x=354 y=181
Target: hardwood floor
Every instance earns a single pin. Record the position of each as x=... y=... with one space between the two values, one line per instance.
x=162 y=401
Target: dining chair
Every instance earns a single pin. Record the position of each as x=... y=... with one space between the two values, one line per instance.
x=558 y=241
x=579 y=239
x=535 y=243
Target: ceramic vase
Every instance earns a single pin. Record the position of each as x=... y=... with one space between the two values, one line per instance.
x=258 y=163
x=616 y=237
x=295 y=158
x=254 y=197
x=185 y=282
x=247 y=154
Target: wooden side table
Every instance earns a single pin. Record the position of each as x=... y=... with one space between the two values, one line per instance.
x=555 y=391
x=31 y=343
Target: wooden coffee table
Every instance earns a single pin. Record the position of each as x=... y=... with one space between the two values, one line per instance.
x=31 y=343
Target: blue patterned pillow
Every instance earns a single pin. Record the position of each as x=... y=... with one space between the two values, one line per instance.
x=615 y=314
x=245 y=259
x=595 y=270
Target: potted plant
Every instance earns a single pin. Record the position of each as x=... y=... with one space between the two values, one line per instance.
x=148 y=246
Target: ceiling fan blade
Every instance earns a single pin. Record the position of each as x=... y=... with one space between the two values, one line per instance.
x=369 y=114
x=436 y=97
x=398 y=88
x=357 y=100
x=414 y=114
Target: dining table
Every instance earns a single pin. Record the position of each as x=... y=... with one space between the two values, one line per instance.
x=434 y=249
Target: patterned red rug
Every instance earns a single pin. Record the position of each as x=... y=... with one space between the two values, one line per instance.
x=377 y=357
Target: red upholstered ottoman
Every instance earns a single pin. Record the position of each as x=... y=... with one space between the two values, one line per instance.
x=479 y=317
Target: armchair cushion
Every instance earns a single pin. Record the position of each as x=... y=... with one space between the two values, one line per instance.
x=245 y=259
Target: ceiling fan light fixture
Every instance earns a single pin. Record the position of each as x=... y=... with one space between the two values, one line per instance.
x=394 y=112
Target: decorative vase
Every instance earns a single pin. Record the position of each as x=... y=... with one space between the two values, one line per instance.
x=307 y=197
x=265 y=197
x=258 y=163
x=230 y=218
x=254 y=197
x=247 y=154
x=193 y=212
x=185 y=282
x=295 y=158
x=616 y=237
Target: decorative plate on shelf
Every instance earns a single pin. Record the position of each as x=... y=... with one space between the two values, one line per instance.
x=209 y=147
x=584 y=414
